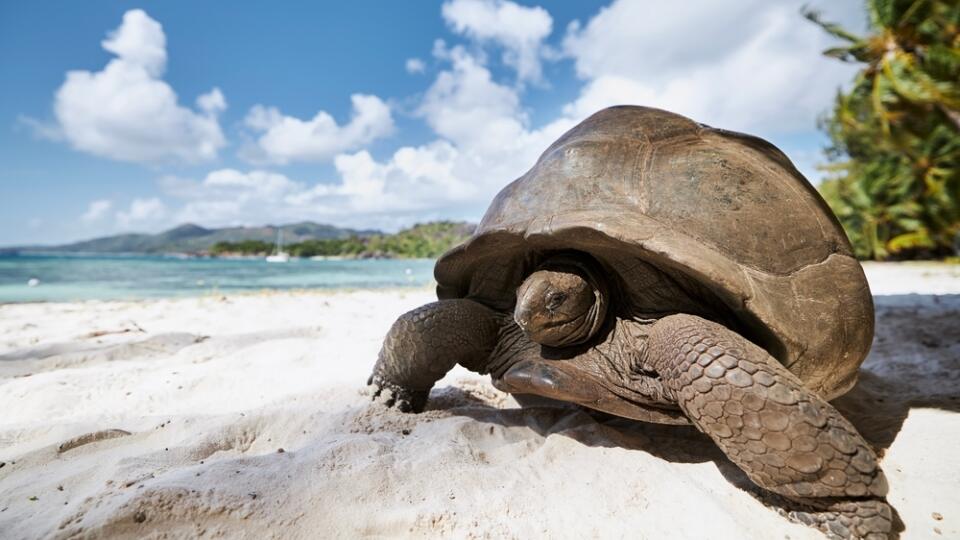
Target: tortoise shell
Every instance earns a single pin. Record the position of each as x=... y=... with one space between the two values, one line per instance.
x=731 y=227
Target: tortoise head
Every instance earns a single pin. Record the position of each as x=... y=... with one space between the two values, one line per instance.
x=563 y=302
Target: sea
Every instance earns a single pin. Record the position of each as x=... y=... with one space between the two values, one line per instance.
x=68 y=277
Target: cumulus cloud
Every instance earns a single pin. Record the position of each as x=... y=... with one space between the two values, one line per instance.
x=415 y=65
x=754 y=66
x=484 y=141
x=284 y=139
x=142 y=213
x=212 y=102
x=519 y=30
x=127 y=112
x=465 y=105
x=139 y=40
x=231 y=196
x=762 y=72
x=364 y=192
x=96 y=210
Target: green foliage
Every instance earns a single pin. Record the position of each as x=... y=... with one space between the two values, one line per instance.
x=895 y=152
x=243 y=247
x=351 y=246
x=428 y=240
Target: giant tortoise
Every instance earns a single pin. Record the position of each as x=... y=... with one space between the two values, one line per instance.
x=662 y=270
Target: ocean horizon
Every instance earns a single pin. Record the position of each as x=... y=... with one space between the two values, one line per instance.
x=64 y=277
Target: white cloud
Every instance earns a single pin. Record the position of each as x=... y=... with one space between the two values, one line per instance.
x=142 y=213
x=286 y=138
x=415 y=65
x=96 y=210
x=465 y=105
x=754 y=66
x=212 y=102
x=230 y=196
x=484 y=141
x=518 y=29
x=139 y=40
x=364 y=193
x=126 y=112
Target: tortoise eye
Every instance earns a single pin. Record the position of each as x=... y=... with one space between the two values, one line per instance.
x=555 y=299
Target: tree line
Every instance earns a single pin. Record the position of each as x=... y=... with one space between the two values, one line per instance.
x=427 y=240
x=894 y=158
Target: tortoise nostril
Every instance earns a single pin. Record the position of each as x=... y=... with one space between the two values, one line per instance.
x=522 y=317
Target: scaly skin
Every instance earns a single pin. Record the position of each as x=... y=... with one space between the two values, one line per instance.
x=786 y=438
x=424 y=344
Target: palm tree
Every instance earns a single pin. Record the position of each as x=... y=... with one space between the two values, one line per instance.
x=895 y=153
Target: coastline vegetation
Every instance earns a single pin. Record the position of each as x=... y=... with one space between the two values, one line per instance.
x=894 y=172
x=425 y=240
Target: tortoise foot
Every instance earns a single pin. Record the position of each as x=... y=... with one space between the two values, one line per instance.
x=850 y=519
x=396 y=396
x=785 y=437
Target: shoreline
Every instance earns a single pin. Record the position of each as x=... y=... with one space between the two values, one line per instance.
x=203 y=255
x=221 y=295
x=885 y=278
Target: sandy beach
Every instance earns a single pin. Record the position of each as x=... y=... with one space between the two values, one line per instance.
x=247 y=416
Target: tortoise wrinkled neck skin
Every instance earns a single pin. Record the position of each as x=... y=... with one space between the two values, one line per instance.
x=563 y=302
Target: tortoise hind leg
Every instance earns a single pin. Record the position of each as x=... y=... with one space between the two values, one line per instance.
x=785 y=438
x=425 y=343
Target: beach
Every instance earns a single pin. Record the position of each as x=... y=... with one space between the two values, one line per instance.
x=246 y=415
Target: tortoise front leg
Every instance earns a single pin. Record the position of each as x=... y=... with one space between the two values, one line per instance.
x=785 y=437
x=424 y=344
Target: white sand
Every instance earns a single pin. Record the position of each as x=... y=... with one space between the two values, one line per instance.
x=207 y=390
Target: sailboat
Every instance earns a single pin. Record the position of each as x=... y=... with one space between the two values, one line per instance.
x=279 y=255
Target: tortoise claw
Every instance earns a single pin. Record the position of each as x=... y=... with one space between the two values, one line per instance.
x=555 y=379
x=568 y=380
x=395 y=396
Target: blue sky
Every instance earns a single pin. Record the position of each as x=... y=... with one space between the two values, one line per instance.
x=121 y=116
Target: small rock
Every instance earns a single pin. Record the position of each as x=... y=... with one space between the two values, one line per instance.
x=280 y=450
x=937 y=516
x=140 y=517
x=33 y=498
x=405 y=432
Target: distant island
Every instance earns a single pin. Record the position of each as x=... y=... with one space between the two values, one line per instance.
x=305 y=239
x=424 y=240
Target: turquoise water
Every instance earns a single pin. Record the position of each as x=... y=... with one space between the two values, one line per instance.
x=97 y=277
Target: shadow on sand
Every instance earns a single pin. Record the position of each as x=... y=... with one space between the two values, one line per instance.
x=914 y=363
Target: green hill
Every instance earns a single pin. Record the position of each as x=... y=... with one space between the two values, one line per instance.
x=426 y=240
x=306 y=239
x=189 y=238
